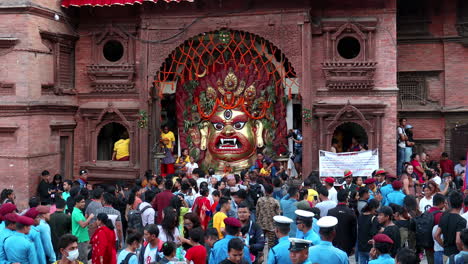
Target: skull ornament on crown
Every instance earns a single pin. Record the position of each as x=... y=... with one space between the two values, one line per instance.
x=236 y=115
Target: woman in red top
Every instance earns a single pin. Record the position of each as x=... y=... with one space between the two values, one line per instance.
x=103 y=241
x=415 y=159
x=202 y=207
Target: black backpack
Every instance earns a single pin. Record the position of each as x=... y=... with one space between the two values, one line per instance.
x=462 y=260
x=127 y=258
x=255 y=192
x=134 y=218
x=423 y=225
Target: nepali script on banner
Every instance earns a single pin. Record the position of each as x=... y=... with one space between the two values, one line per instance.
x=361 y=163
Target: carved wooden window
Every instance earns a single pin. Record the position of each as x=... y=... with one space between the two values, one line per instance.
x=412 y=18
x=63 y=50
x=412 y=89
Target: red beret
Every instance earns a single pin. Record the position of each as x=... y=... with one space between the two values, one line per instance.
x=397 y=185
x=380 y=171
x=382 y=238
x=42 y=209
x=348 y=173
x=330 y=180
x=32 y=213
x=24 y=220
x=10 y=217
x=7 y=208
x=232 y=222
x=391 y=176
x=369 y=181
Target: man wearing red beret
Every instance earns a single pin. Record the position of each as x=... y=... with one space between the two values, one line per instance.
x=370 y=184
x=220 y=249
x=380 y=252
x=46 y=236
x=4 y=210
x=10 y=226
x=18 y=247
x=35 y=235
x=330 y=185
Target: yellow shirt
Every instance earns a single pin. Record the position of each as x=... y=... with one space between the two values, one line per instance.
x=218 y=223
x=187 y=159
x=265 y=172
x=122 y=148
x=310 y=195
x=168 y=138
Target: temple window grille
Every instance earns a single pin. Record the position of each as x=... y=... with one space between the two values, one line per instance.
x=412 y=89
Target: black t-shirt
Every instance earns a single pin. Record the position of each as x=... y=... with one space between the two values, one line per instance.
x=227 y=261
x=367 y=228
x=393 y=232
x=451 y=224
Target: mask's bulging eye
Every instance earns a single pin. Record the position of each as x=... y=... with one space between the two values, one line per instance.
x=218 y=126
x=239 y=125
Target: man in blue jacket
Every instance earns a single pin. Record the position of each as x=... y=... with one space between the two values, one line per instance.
x=220 y=248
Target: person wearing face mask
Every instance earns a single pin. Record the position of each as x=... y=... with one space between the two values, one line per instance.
x=68 y=247
x=128 y=255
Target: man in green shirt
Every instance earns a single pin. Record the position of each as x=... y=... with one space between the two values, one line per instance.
x=80 y=227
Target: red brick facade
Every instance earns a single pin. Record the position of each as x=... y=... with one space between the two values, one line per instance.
x=49 y=122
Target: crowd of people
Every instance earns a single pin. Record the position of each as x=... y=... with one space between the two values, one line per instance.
x=202 y=217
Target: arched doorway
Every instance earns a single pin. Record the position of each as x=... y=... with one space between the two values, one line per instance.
x=238 y=77
x=108 y=135
x=345 y=133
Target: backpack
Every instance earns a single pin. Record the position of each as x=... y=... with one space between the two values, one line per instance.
x=423 y=225
x=462 y=260
x=255 y=192
x=127 y=258
x=134 y=218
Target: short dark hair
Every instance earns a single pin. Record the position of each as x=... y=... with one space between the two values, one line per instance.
x=445 y=154
x=268 y=188
x=223 y=200
x=67 y=240
x=109 y=199
x=241 y=194
x=322 y=191
x=60 y=203
x=243 y=205
x=169 y=248
x=184 y=186
x=152 y=229
x=401 y=119
x=168 y=184
x=363 y=190
x=463 y=158
x=384 y=248
x=97 y=193
x=79 y=198
x=212 y=232
x=276 y=182
x=133 y=235
x=342 y=196
x=407 y=256
x=439 y=199
x=34 y=202
x=69 y=182
x=464 y=237
x=200 y=172
x=45 y=173
x=149 y=196
x=455 y=199
x=236 y=244
x=196 y=235
x=292 y=191
x=215 y=193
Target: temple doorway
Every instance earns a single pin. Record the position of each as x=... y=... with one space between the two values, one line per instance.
x=350 y=137
x=108 y=135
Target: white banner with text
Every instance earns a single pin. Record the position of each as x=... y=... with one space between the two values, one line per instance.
x=361 y=163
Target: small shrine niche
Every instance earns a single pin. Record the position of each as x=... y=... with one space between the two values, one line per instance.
x=113 y=60
x=349 y=55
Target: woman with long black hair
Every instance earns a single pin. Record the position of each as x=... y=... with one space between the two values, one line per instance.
x=168 y=230
x=103 y=241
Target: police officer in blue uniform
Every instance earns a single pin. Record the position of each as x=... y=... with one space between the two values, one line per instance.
x=385 y=190
x=304 y=220
x=4 y=210
x=279 y=254
x=325 y=252
x=380 y=252
x=35 y=236
x=220 y=248
x=10 y=225
x=299 y=251
x=18 y=247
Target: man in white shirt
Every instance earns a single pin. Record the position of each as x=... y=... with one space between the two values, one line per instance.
x=325 y=203
x=330 y=185
x=147 y=211
x=460 y=167
x=190 y=166
x=150 y=253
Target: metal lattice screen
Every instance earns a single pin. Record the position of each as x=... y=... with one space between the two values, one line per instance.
x=412 y=89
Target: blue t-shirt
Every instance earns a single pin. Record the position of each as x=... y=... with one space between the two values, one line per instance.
x=123 y=254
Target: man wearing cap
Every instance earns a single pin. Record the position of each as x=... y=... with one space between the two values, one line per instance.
x=44 y=229
x=10 y=226
x=384 y=218
x=83 y=179
x=396 y=196
x=279 y=254
x=4 y=210
x=330 y=185
x=220 y=248
x=304 y=221
x=299 y=251
x=370 y=184
x=379 y=177
x=325 y=252
x=35 y=235
x=346 y=233
x=349 y=185
x=18 y=247
x=380 y=252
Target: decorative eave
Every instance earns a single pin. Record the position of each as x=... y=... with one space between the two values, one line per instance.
x=112 y=78
x=62 y=125
x=102 y=3
x=8 y=129
x=350 y=76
